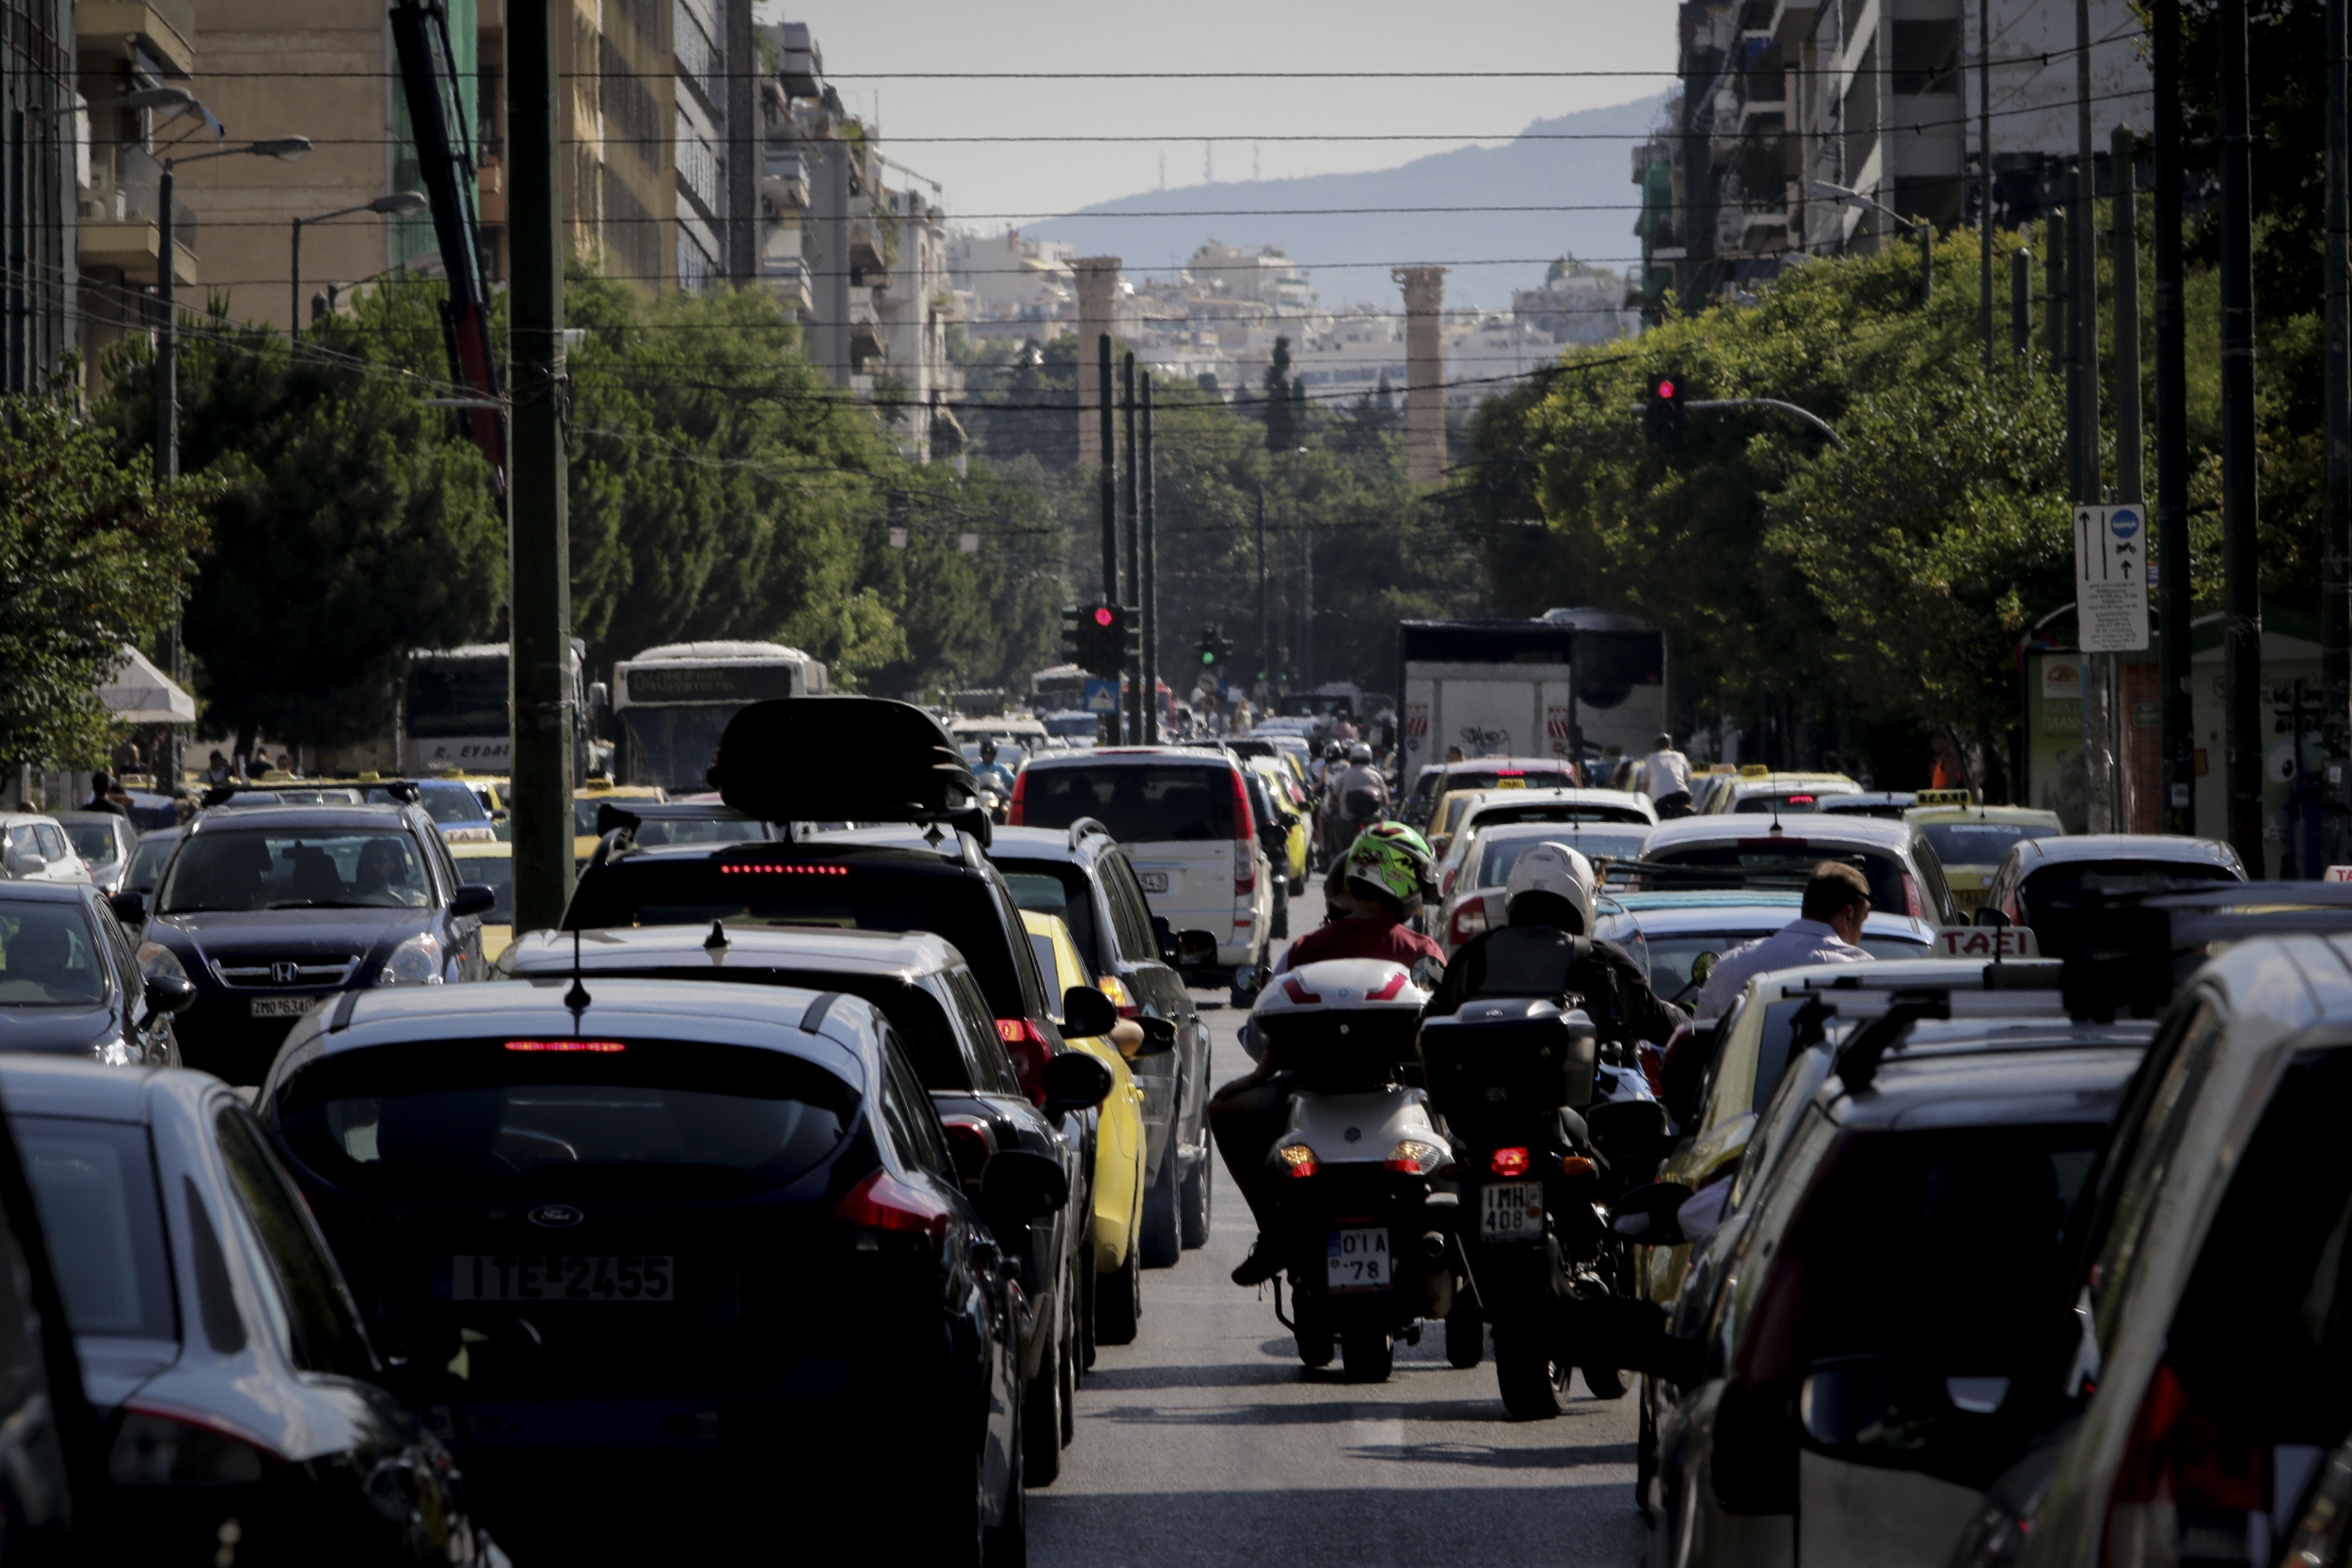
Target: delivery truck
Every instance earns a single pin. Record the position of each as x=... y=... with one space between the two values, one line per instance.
x=1530 y=688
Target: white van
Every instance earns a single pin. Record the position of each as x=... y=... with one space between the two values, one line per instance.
x=1183 y=816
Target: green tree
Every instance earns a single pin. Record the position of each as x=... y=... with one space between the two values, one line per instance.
x=1282 y=406
x=91 y=557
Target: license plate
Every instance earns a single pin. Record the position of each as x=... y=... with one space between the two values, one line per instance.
x=1153 y=881
x=540 y=1277
x=1358 y=1260
x=1510 y=1212
x=283 y=1007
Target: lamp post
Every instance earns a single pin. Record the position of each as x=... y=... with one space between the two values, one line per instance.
x=398 y=205
x=1926 y=231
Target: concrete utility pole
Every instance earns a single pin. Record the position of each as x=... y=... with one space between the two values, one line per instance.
x=2335 y=608
x=1151 y=580
x=2020 y=305
x=1097 y=283
x=2241 y=562
x=538 y=509
x=2124 y=266
x=1425 y=373
x=1106 y=476
x=1265 y=652
x=2101 y=786
x=1130 y=505
x=2174 y=604
x=1984 y=172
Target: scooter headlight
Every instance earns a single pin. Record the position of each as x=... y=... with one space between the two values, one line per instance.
x=1415 y=1158
x=1296 y=1159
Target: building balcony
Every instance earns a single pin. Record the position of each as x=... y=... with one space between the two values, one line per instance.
x=490 y=193
x=164 y=30
x=1793 y=23
x=866 y=252
x=131 y=248
x=117 y=220
x=866 y=347
x=784 y=182
x=786 y=278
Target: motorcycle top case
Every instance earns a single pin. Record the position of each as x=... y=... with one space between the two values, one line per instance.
x=1509 y=1054
x=1338 y=1052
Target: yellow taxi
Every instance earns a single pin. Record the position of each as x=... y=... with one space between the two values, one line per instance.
x=492 y=865
x=1758 y=788
x=1971 y=839
x=1290 y=800
x=1119 y=1147
x=594 y=793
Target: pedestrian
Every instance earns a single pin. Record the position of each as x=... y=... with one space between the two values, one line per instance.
x=218 y=772
x=103 y=797
x=1666 y=778
x=127 y=759
x=1453 y=754
x=1827 y=930
x=1950 y=771
x=285 y=766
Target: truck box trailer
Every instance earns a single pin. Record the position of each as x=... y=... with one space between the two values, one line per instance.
x=1527 y=688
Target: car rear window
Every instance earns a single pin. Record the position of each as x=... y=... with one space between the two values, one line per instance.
x=1783 y=867
x=567 y=1117
x=95 y=1184
x=497 y=873
x=49 y=956
x=2051 y=899
x=93 y=841
x=271 y=868
x=450 y=805
x=1498 y=855
x=1172 y=802
x=1979 y=843
x=1507 y=778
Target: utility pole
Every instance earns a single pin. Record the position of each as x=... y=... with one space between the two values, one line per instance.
x=1109 y=475
x=2241 y=565
x=2100 y=783
x=538 y=510
x=1135 y=550
x=2174 y=604
x=2020 y=305
x=1265 y=649
x=2053 y=320
x=1984 y=172
x=2124 y=264
x=2335 y=609
x=1151 y=580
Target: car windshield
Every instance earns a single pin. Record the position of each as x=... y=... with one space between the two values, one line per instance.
x=2052 y=898
x=1497 y=856
x=497 y=873
x=1670 y=957
x=673 y=747
x=48 y=956
x=146 y=862
x=450 y=805
x=95 y=842
x=1783 y=867
x=1174 y=802
x=528 y=1115
x=284 y=868
x=1980 y=843
x=95 y=1187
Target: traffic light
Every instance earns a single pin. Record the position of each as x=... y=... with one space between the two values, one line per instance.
x=1102 y=638
x=1215 y=647
x=1665 y=409
x=1129 y=633
x=1074 y=635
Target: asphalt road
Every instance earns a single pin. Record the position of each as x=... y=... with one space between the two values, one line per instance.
x=1205 y=1442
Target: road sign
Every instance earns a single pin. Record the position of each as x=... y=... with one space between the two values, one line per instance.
x=1102 y=696
x=2111 y=578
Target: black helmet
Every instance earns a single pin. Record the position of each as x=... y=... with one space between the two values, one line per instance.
x=988 y=748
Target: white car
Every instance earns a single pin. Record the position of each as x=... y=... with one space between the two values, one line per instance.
x=1182 y=815
x=1478 y=863
x=34 y=848
x=1732 y=851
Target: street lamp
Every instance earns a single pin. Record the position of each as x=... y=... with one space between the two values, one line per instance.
x=1926 y=231
x=400 y=204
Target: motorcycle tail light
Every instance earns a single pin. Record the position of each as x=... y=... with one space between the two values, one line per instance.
x=1298 y=1159
x=1508 y=1161
x=1028 y=1047
x=1414 y=1158
x=882 y=1202
x=1575 y=1165
x=157 y=1446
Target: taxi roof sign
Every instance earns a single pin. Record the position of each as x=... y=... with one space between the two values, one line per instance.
x=1944 y=798
x=1755 y=771
x=1981 y=943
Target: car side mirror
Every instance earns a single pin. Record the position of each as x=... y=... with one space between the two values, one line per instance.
x=167 y=995
x=1883 y=1408
x=1074 y=1080
x=130 y=908
x=1018 y=1186
x=1086 y=1013
x=1159 y=1037
x=1645 y=1215
x=1987 y=915
x=1194 y=949
x=473 y=898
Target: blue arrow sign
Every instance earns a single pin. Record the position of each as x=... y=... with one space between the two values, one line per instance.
x=1102 y=696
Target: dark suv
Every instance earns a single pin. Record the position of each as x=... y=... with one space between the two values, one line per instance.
x=1081 y=874
x=271 y=908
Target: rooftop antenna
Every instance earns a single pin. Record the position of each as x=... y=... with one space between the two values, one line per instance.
x=576 y=998
x=716 y=941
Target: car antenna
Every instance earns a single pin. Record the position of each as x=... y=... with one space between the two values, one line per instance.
x=577 y=998
x=716 y=941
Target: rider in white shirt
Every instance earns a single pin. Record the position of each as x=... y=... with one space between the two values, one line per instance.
x=1666 y=773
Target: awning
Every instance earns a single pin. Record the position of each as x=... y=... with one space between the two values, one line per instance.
x=143 y=695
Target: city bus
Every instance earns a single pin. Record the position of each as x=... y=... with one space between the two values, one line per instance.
x=454 y=711
x=671 y=702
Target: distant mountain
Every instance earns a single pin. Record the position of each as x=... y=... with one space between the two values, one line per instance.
x=1520 y=173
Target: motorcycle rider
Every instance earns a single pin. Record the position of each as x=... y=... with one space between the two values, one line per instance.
x=1546 y=950
x=991 y=774
x=1353 y=796
x=1387 y=876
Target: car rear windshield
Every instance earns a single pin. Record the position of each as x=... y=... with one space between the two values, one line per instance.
x=1172 y=802
x=1670 y=957
x=283 y=868
x=1979 y=843
x=93 y=841
x=1507 y=778
x=95 y=1185
x=1799 y=801
x=1498 y=855
x=49 y=956
x=1782 y=866
x=450 y=805
x=2051 y=899
x=877 y=891
x=565 y=1117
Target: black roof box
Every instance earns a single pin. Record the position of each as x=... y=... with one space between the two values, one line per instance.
x=882 y=761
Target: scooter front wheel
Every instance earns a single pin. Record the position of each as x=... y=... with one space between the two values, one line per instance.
x=1534 y=1385
x=1465 y=1335
x=1367 y=1354
x=1604 y=1382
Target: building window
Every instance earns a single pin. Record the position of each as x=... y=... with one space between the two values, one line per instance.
x=694 y=264
x=697 y=166
x=697 y=56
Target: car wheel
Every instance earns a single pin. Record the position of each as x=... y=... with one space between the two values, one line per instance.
x=1282 y=925
x=1535 y=1385
x=1367 y=1354
x=1089 y=1286
x=1645 y=1447
x=1163 y=1228
x=1008 y=1545
x=1041 y=1418
x=1604 y=1382
x=1197 y=1199
x=1118 y=1301
x=1465 y=1336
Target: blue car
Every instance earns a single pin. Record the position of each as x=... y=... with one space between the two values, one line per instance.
x=272 y=910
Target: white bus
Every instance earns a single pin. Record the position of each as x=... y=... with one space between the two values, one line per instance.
x=671 y=704
x=454 y=710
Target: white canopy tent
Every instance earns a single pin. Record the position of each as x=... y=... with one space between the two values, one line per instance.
x=142 y=695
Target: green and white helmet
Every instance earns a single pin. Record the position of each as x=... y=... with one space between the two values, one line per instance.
x=1391 y=859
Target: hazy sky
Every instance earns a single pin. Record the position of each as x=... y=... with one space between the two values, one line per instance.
x=864 y=42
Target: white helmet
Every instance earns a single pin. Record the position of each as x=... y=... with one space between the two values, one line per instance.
x=1553 y=868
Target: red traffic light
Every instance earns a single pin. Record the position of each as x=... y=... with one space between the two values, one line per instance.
x=1665 y=387
x=1103 y=615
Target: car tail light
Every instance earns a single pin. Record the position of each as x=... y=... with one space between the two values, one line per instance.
x=1298 y=1159
x=970 y=1140
x=159 y=1447
x=1468 y=920
x=1576 y=1164
x=1012 y=807
x=1245 y=868
x=1911 y=898
x=882 y=1202
x=1245 y=840
x=1415 y=1158
x=1030 y=1050
x=1115 y=989
x=1447 y=886
x=1778 y=841
x=1800 y=799
x=1508 y=1161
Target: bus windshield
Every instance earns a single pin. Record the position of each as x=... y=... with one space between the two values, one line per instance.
x=465 y=698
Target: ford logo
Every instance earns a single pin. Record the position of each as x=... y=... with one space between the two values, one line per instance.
x=556 y=1216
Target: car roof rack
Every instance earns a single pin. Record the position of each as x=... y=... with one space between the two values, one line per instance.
x=2140 y=946
x=1086 y=828
x=402 y=791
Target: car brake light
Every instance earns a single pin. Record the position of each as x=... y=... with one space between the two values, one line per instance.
x=159 y=1447
x=601 y=1048
x=1030 y=1050
x=1012 y=807
x=1469 y=919
x=1911 y=898
x=1800 y=799
x=1245 y=840
x=1778 y=841
x=1297 y=1159
x=882 y=1202
x=1413 y=1157
x=1115 y=989
x=970 y=1140
x=1508 y=1161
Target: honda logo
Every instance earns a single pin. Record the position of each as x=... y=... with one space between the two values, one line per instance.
x=284 y=973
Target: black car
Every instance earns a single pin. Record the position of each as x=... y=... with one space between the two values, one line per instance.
x=271 y=908
x=234 y=1389
x=1081 y=874
x=654 y=1234
x=72 y=982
